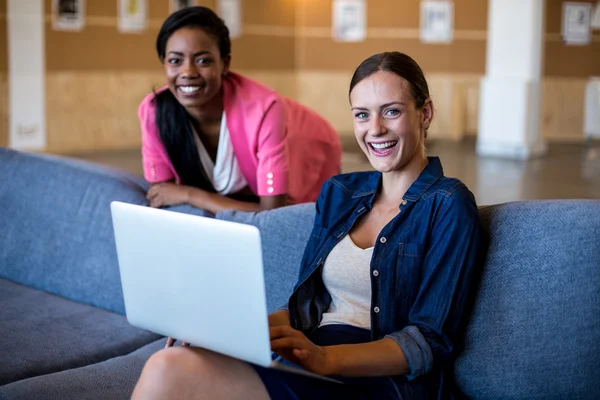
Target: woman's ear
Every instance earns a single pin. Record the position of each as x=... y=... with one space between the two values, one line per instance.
x=226 y=64
x=427 y=114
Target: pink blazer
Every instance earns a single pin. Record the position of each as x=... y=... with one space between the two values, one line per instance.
x=282 y=147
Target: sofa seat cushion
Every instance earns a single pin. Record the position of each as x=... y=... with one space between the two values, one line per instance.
x=111 y=379
x=41 y=333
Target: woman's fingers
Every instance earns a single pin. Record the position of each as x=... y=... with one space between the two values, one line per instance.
x=286 y=343
x=170 y=342
x=283 y=331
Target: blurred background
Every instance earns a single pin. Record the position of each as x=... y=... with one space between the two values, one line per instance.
x=510 y=92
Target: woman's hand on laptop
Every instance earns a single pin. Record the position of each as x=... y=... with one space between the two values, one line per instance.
x=278 y=318
x=171 y=342
x=295 y=347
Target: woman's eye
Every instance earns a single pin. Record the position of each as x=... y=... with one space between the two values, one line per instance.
x=173 y=61
x=203 y=61
x=392 y=112
x=361 y=115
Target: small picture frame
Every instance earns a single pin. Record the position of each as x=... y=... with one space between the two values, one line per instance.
x=68 y=15
x=133 y=15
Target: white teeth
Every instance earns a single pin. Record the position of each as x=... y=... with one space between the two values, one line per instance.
x=380 y=146
x=189 y=89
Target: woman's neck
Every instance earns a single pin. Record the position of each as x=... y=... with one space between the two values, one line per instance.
x=209 y=113
x=395 y=184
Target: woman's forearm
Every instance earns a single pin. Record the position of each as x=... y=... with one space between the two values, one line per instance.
x=214 y=202
x=380 y=358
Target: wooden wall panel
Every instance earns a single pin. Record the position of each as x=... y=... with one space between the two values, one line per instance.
x=95 y=109
x=464 y=56
x=3 y=38
x=100 y=48
x=254 y=52
x=392 y=25
x=561 y=116
x=563 y=60
x=269 y=12
x=573 y=61
x=471 y=15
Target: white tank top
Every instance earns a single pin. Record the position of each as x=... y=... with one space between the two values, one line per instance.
x=347 y=277
x=225 y=173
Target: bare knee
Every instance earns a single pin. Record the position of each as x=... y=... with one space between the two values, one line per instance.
x=166 y=372
x=188 y=373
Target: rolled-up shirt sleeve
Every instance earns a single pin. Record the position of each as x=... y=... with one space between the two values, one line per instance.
x=272 y=171
x=448 y=267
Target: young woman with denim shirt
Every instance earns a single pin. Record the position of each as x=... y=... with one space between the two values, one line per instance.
x=218 y=140
x=385 y=276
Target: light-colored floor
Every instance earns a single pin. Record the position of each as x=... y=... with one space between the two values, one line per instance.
x=567 y=171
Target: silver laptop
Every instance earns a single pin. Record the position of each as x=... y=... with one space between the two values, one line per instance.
x=196 y=279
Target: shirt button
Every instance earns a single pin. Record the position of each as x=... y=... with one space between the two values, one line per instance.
x=383 y=239
x=376 y=310
x=269 y=181
x=404 y=202
x=270 y=175
x=270 y=190
x=375 y=273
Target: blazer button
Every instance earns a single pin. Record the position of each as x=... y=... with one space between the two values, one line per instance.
x=376 y=310
x=375 y=273
x=404 y=202
x=383 y=239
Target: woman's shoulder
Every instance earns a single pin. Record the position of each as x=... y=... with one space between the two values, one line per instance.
x=454 y=195
x=247 y=89
x=344 y=187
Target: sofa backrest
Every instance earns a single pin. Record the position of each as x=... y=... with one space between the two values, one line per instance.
x=535 y=327
x=284 y=233
x=56 y=231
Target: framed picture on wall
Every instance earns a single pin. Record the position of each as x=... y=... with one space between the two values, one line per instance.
x=68 y=15
x=176 y=5
x=576 y=23
x=437 y=21
x=349 y=21
x=231 y=12
x=132 y=15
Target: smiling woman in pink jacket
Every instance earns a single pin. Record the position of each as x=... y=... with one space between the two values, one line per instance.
x=217 y=140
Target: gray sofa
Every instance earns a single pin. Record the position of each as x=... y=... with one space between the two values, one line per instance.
x=534 y=332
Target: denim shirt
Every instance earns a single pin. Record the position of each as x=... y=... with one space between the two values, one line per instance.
x=422 y=264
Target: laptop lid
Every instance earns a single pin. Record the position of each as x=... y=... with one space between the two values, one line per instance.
x=193 y=278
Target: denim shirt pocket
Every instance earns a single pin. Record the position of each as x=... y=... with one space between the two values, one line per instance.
x=408 y=266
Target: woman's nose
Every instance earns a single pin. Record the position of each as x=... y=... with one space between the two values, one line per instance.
x=377 y=127
x=188 y=70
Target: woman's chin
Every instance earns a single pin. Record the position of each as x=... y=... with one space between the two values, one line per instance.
x=382 y=166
